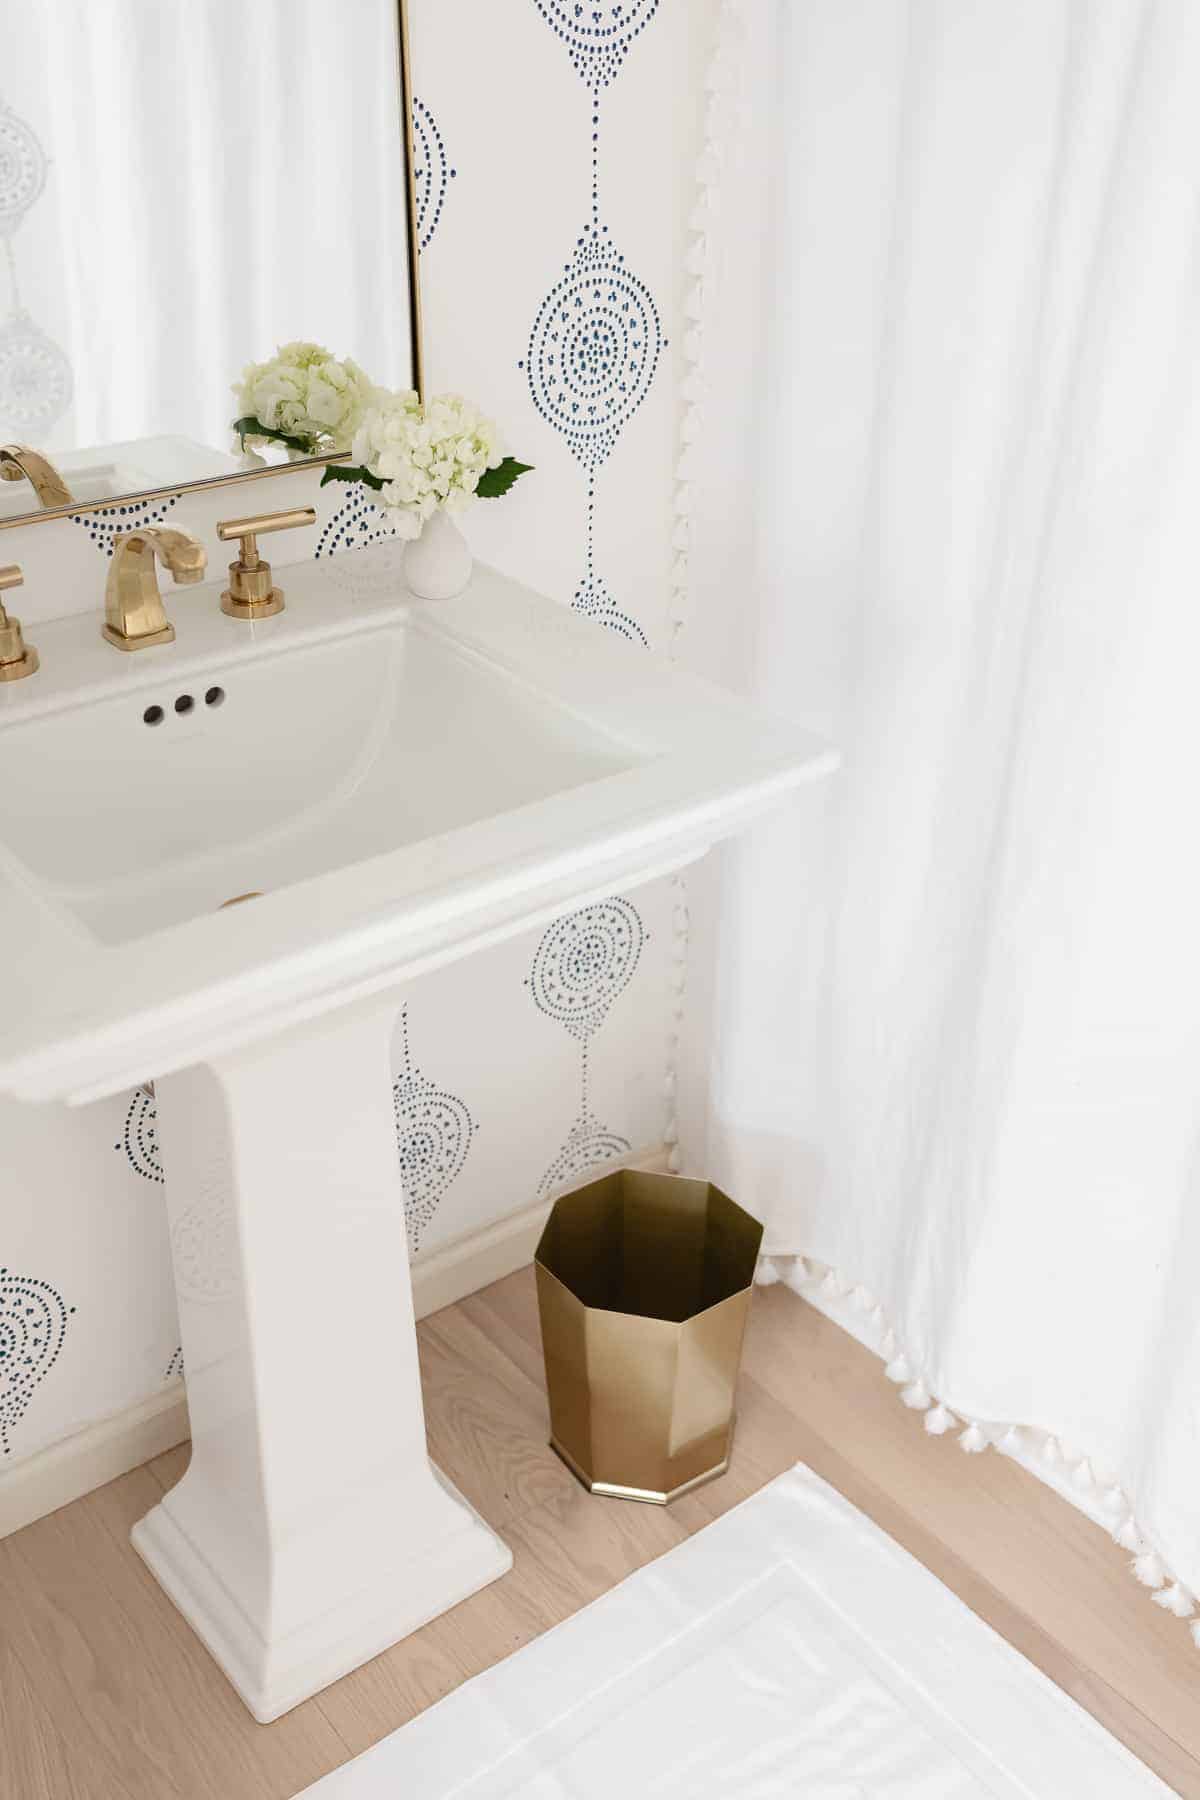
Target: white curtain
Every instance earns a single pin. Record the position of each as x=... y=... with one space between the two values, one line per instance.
x=224 y=176
x=950 y=509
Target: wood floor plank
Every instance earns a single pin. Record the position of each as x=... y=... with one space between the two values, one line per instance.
x=167 y=1468
x=134 y=1691
x=35 y=1763
x=574 y=1548
x=486 y=1424
x=506 y=1312
x=105 y=1694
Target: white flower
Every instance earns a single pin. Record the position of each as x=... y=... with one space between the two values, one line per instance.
x=307 y=393
x=426 y=459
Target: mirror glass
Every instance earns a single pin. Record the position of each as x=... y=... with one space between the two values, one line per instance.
x=186 y=185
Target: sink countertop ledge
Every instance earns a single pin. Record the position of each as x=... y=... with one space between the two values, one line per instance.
x=113 y=979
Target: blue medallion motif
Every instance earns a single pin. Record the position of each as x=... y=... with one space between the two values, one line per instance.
x=597 y=37
x=593 y=598
x=108 y=523
x=358 y=521
x=139 y=1138
x=432 y=173
x=33 y=1324
x=434 y=1131
x=594 y=348
x=584 y=960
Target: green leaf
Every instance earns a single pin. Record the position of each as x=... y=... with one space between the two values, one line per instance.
x=348 y=472
x=494 y=482
x=251 y=427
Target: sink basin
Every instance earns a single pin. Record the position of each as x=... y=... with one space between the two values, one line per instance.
x=399 y=784
x=277 y=772
x=400 y=781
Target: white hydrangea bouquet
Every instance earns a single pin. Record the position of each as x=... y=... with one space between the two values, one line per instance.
x=421 y=460
x=425 y=462
x=304 y=399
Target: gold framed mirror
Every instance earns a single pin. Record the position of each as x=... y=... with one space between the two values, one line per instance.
x=184 y=188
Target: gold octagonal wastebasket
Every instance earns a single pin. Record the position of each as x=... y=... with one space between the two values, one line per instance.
x=644 y=1285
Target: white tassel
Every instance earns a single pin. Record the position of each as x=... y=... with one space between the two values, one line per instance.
x=674 y=1161
x=1113 y=1499
x=918 y=1396
x=973 y=1439
x=832 y=1286
x=878 y=1317
x=1050 y=1451
x=889 y=1345
x=1129 y=1537
x=798 y=1275
x=1149 y=1569
x=899 y=1370
x=1083 y=1477
x=1012 y=1441
x=766 y=1275
x=1176 y=1599
x=939 y=1419
x=863 y=1301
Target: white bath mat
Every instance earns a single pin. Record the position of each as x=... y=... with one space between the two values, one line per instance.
x=790 y=1649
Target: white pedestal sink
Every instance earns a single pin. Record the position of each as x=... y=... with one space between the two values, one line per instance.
x=401 y=784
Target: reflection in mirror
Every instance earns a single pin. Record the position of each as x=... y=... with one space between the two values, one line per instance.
x=186 y=185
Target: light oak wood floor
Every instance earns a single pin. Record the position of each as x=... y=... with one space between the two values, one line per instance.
x=106 y=1695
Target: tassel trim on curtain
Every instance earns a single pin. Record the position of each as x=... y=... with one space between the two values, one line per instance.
x=1101 y=1500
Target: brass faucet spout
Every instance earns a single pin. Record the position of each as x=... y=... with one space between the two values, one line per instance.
x=134 y=617
x=19 y=463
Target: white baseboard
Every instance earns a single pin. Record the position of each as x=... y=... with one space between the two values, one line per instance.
x=480 y=1257
x=88 y=1459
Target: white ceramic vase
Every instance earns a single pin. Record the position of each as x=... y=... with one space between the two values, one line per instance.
x=437 y=565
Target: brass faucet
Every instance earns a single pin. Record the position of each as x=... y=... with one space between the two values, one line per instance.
x=133 y=609
x=19 y=463
x=17 y=658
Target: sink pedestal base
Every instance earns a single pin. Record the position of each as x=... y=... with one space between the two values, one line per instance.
x=310 y=1530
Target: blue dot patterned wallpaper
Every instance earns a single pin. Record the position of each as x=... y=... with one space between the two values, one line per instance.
x=105 y=525
x=432 y=173
x=139 y=1137
x=434 y=1130
x=582 y=963
x=553 y=167
x=33 y=1324
x=596 y=341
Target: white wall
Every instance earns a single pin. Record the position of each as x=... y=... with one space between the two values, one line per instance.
x=496 y=1079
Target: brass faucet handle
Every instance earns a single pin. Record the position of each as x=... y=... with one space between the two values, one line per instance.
x=251 y=593
x=17 y=658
